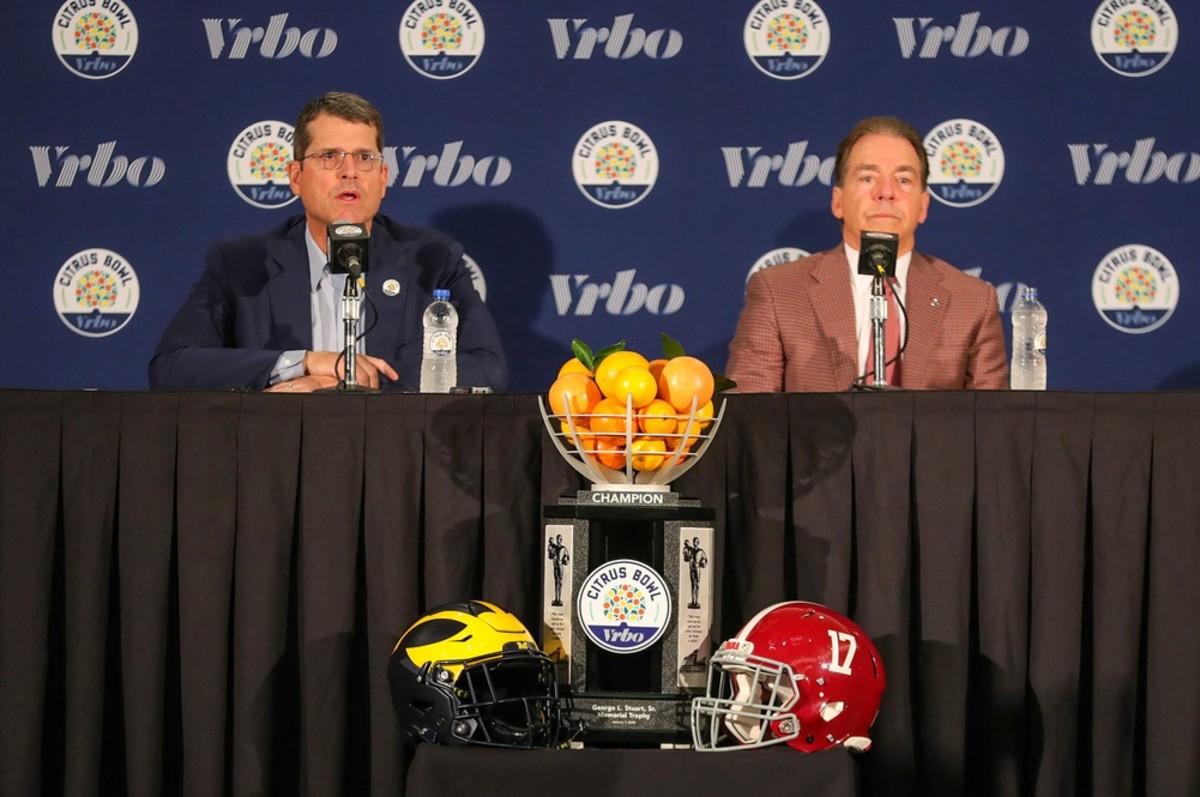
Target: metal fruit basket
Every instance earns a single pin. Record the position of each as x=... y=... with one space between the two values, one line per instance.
x=579 y=446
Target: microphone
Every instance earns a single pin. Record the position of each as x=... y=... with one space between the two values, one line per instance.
x=877 y=253
x=346 y=245
x=877 y=258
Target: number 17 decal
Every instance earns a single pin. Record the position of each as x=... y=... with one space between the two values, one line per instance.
x=836 y=662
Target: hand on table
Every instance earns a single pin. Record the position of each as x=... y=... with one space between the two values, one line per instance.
x=325 y=369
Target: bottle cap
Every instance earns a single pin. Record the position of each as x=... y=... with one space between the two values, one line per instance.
x=441 y=294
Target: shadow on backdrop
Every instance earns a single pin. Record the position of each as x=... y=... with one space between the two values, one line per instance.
x=1187 y=378
x=513 y=250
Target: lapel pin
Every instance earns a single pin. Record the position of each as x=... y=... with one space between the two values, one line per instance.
x=392 y=287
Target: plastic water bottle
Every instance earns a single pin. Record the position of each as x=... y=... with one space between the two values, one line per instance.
x=1028 y=371
x=439 y=363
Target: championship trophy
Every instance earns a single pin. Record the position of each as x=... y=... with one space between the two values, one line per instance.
x=627 y=586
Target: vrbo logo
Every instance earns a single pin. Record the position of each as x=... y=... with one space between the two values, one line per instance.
x=791 y=169
x=622 y=40
x=968 y=39
x=275 y=41
x=450 y=168
x=624 y=636
x=1143 y=166
x=103 y=170
x=575 y=295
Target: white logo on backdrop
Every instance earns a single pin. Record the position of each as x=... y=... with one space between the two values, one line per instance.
x=580 y=295
x=233 y=38
x=449 y=168
x=1134 y=38
x=96 y=293
x=965 y=39
x=1098 y=164
x=102 y=169
x=477 y=278
x=966 y=162
x=95 y=41
x=578 y=40
x=751 y=167
x=257 y=164
x=1135 y=288
x=786 y=39
x=615 y=164
x=442 y=40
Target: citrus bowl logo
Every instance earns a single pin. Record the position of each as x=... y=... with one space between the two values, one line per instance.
x=1134 y=38
x=257 y=164
x=786 y=39
x=441 y=41
x=92 y=42
x=477 y=278
x=1135 y=289
x=966 y=162
x=96 y=293
x=784 y=254
x=624 y=606
x=615 y=164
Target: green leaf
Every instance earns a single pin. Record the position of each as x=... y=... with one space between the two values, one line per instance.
x=607 y=350
x=670 y=346
x=584 y=353
x=722 y=382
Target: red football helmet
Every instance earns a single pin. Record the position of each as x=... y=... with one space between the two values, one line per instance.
x=798 y=673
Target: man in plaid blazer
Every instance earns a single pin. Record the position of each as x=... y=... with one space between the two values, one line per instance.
x=805 y=325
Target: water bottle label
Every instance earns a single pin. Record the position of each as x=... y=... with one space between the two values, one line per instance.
x=441 y=343
x=1039 y=342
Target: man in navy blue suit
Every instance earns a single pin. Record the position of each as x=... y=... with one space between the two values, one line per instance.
x=266 y=311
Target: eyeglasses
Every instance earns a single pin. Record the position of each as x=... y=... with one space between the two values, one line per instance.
x=363 y=160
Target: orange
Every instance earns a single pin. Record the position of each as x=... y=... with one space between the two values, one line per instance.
x=609 y=454
x=574 y=366
x=656 y=367
x=587 y=440
x=580 y=425
x=608 y=368
x=609 y=420
x=657 y=417
x=684 y=378
x=701 y=422
x=636 y=383
x=576 y=391
x=648 y=453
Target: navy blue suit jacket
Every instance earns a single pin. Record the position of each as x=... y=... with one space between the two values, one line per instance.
x=253 y=303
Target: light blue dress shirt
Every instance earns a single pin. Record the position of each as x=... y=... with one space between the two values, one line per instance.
x=328 y=331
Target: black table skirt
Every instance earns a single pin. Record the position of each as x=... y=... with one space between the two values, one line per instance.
x=199 y=591
x=459 y=772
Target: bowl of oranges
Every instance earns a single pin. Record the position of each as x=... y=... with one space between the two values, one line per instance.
x=620 y=418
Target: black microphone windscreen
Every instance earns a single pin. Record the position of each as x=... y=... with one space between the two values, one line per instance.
x=877 y=253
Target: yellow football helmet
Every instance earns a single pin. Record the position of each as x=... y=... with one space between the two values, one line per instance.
x=471 y=673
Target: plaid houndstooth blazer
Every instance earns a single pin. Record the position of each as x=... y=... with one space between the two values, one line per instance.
x=796 y=330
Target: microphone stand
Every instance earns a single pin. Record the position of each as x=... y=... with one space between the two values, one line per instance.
x=878 y=321
x=351 y=303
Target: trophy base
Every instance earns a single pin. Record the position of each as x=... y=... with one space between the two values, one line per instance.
x=632 y=678
x=633 y=719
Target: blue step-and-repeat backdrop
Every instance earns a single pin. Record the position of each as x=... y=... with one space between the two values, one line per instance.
x=615 y=168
